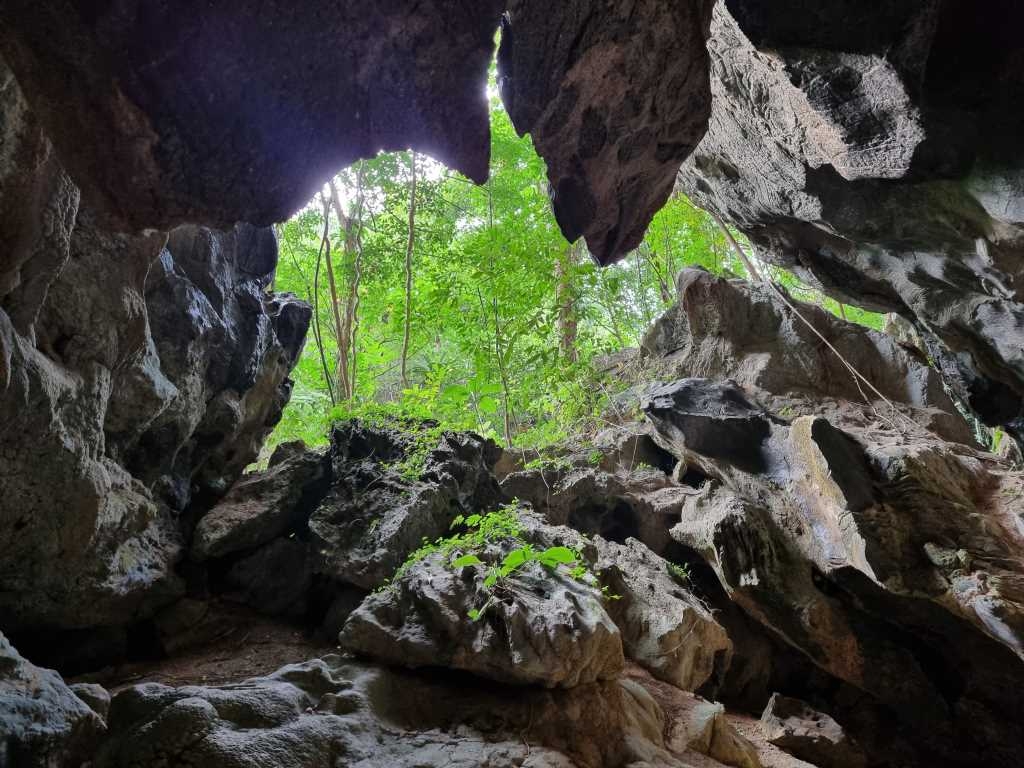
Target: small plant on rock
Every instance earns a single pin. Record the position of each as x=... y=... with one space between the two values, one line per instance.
x=474 y=548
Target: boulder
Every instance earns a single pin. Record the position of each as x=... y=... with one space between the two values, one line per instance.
x=665 y=628
x=538 y=627
x=262 y=505
x=96 y=697
x=379 y=509
x=809 y=735
x=751 y=333
x=704 y=729
x=42 y=722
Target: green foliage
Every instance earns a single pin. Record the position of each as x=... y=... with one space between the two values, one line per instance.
x=472 y=547
x=489 y=349
x=680 y=573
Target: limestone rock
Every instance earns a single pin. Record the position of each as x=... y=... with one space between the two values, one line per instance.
x=42 y=722
x=664 y=627
x=810 y=735
x=835 y=538
x=732 y=329
x=541 y=628
x=882 y=170
x=373 y=516
x=139 y=372
x=95 y=696
x=191 y=114
x=705 y=729
x=704 y=418
x=329 y=709
x=611 y=160
x=275 y=579
x=261 y=506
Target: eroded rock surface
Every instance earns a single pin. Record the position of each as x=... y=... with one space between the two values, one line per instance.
x=614 y=96
x=850 y=531
x=331 y=709
x=542 y=627
x=883 y=169
x=746 y=332
x=139 y=373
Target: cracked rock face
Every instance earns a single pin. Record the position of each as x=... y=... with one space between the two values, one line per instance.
x=882 y=167
x=191 y=113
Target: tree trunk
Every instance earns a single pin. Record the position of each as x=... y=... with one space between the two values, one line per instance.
x=341 y=364
x=565 y=299
x=351 y=268
x=409 y=246
x=317 y=332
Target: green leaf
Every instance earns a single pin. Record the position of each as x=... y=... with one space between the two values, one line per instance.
x=467 y=560
x=515 y=559
x=492 y=578
x=557 y=556
x=457 y=521
x=474 y=614
x=473 y=521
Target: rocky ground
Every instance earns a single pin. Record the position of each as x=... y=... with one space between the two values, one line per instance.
x=749 y=568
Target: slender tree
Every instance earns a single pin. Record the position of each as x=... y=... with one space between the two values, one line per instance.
x=409 y=246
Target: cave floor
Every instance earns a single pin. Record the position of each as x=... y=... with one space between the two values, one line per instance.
x=256 y=646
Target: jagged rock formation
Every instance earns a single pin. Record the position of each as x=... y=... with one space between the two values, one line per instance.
x=139 y=373
x=615 y=96
x=896 y=549
x=866 y=560
x=551 y=631
x=731 y=329
x=884 y=168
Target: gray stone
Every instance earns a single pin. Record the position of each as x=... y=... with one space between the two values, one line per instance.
x=373 y=516
x=665 y=628
x=794 y=726
x=261 y=506
x=43 y=723
x=325 y=710
x=95 y=696
x=884 y=171
x=537 y=628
